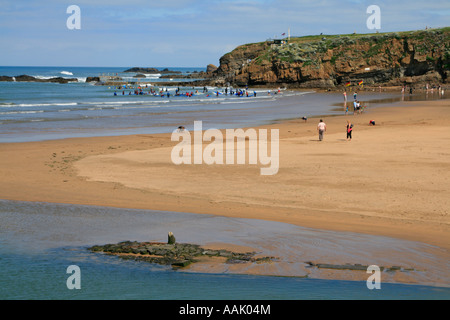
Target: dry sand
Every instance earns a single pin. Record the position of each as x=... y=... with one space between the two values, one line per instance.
x=392 y=179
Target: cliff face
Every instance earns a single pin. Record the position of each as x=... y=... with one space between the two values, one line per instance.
x=330 y=61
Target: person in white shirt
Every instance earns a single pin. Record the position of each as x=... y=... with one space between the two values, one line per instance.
x=322 y=127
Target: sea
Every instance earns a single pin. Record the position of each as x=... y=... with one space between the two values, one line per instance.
x=39 y=241
x=32 y=111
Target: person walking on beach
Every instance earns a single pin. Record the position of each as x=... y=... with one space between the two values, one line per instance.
x=349 y=130
x=321 y=127
x=355 y=106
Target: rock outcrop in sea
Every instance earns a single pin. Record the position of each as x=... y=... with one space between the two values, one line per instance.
x=388 y=59
x=177 y=255
x=26 y=78
x=142 y=70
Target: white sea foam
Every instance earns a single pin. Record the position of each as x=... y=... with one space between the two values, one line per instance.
x=141 y=107
x=7 y=104
x=43 y=77
x=102 y=103
x=153 y=76
x=21 y=112
x=241 y=101
x=26 y=105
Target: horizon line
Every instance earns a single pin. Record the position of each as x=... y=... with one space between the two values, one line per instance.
x=61 y=66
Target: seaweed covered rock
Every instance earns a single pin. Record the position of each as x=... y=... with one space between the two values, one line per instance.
x=178 y=255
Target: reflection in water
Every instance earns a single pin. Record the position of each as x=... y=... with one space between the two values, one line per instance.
x=393 y=98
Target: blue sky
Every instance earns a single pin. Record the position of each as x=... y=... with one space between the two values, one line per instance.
x=184 y=33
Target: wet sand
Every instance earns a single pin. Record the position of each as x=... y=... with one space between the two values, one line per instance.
x=390 y=180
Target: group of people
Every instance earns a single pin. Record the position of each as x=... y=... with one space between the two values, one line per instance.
x=239 y=93
x=357 y=107
x=355 y=95
x=431 y=89
x=161 y=92
x=166 y=93
x=322 y=128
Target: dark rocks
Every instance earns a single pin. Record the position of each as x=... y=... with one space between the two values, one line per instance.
x=152 y=71
x=226 y=254
x=60 y=80
x=177 y=255
x=92 y=79
x=342 y=267
x=26 y=78
x=143 y=70
x=357 y=267
x=181 y=264
x=167 y=71
x=211 y=68
x=6 y=78
x=97 y=248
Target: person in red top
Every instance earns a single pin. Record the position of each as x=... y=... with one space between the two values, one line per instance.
x=349 y=130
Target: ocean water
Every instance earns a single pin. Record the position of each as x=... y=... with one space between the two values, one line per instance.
x=31 y=111
x=39 y=241
x=43 y=277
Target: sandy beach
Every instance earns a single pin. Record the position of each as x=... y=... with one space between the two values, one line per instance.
x=390 y=180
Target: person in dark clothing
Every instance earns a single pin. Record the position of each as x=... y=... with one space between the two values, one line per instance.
x=349 y=130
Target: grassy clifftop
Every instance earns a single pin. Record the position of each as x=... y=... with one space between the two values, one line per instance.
x=330 y=60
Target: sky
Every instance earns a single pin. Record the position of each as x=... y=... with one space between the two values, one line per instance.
x=184 y=33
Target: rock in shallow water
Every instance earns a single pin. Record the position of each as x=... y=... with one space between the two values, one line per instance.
x=178 y=255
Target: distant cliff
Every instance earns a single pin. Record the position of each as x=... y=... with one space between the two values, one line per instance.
x=403 y=58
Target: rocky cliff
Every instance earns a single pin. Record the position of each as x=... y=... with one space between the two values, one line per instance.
x=404 y=58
